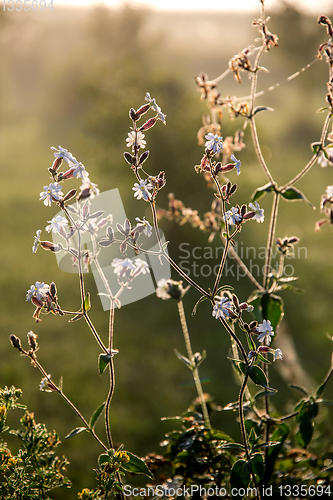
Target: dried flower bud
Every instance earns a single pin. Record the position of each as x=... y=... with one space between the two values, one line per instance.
x=142 y=110
x=148 y=124
x=69 y=195
x=129 y=158
x=16 y=342
x=143 y=157
x=132 y=114
x=32 y=339
x=47 y=245
x=56 y=164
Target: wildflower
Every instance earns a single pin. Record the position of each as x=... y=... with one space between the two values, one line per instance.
x=167 y=289
x=123 y=266
x=214 y=143
x=38 y=290
x=147 y=228
x=153 y=104
x=36 y=241
x=51 y=193
x=46 y=384
x=277 y=353
x=88 y=189
x=329 y=191
x=238 y=163
x=265 y=330
x=65 y=154
x=80 y=172
x=325 y=160
x=142 y=266
x=222 y=308
x=259 y=212
x=32 y=339
x=233 y=216
x=136 y=139
x=142 y=190
x=57 y=224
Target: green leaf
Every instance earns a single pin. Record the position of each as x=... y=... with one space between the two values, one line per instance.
x=316 y=146
x=258 y=468
x=272 y=309
x=96 y=415
x=136 y=466
x=280 y=434
x=263 y=394
x=257 y=375
x=74 y=432
x=261 y=191
x=240 y=475
x=299 y=388
x=219 y=435
x=292 y=194
x=103 y=361
x=184 y=359
x=263 y=360
x=304 y=434
x=197 y=304
x=87 y=304
x=104 y=458
x=322 y=386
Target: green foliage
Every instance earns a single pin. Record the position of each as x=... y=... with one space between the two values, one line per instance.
x=35 y=470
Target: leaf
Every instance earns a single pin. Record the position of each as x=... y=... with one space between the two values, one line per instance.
x=322 y=386
x=75 y=318
x=185 y=360
x=74 y=432
x=280 y=434
x=219 y=435
x=97 y=214
x=304 y=434
x=240 y=475
x=263 y=360
x=136 y=466
x=96 y=415
x=258 y=193
x=257 y=375
x=87 y=304
x=197 y=303
x=103 y=361
x=299 y=388
x=261 y=108
x=257 y=462
x=292 y=194
x=104 y=458
x=272 y=309
x=316 y=146
x=263 y=394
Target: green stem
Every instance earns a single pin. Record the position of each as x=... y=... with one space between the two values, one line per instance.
x=194 y=369
x=271 y=235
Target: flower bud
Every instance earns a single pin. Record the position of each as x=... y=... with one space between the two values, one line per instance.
x=67 y=175
x=47 y=245
x=143 y=157
x=249 y=215
x=263 y=348
x=132 y=114
x=148 y=124
x=69 y=195
x=142 y=110
x=15 y=341
x=53 y=290
x=129 y=158
x=56 y=164
x=36 y=302
x=32 y=339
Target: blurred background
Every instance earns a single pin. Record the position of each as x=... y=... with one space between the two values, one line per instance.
x=69 y=77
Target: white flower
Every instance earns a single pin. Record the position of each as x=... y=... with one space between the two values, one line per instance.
x=66 y=155
x=139 y=140
x=89 y=186
x=214 y=143
x=277 y=354
x=259 y=212
x=329 y=191
x=51 y=193
x=162 y=289
x=141 y=190
x=238 y=163
x=153 y=104
x=43 y=386
x=56 y=224
x=324 y=160
x=80 y=172
x=222 y=308
x=232 y=216
x=36 y=241
x=38 y=290
x=147 y=226
x=142 y=266
x=123 y=267
x=265 y=329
